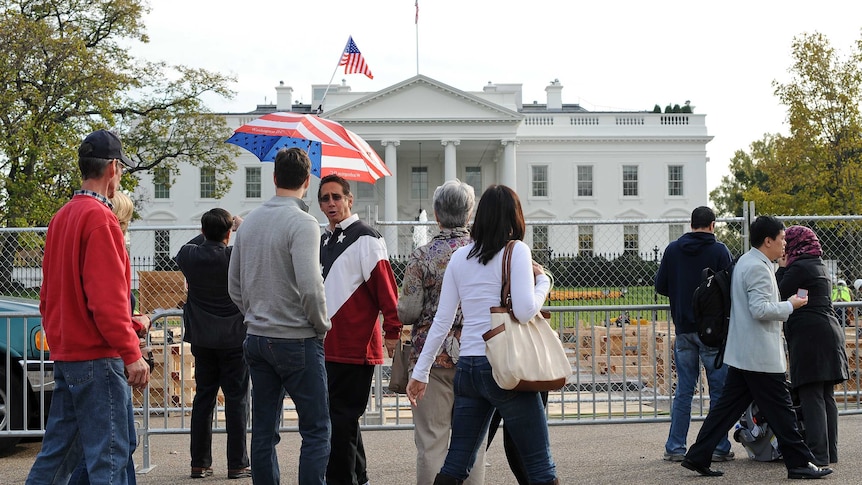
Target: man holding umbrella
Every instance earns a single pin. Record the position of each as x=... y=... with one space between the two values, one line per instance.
x=359 y=286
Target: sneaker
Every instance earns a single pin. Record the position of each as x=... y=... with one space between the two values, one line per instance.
x=729 y=456
x=241 y=473
x=201 y=472
x=676 y=457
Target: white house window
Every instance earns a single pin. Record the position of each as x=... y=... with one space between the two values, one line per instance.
x=162 y=251
x=541 y=249
x=539 y=180
x=674 y=180
x=585 y=241
x=161 y=183
x=252 y=183
x=674 y=231
x=585 y=180
x=630 y=239
x=364 y=190
x=207 y=183
x=630 y=180
x=473 y=178
x=419 y=183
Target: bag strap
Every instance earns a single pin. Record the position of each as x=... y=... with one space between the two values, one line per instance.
x=506 y=290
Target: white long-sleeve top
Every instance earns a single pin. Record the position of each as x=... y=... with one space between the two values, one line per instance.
x=476 y=287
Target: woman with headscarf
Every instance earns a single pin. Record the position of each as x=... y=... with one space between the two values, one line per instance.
x=815 y=341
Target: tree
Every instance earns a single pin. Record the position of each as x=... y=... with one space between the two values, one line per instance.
x=746 y=177
x=821 y=160
x=817 y=168
x=65 y=70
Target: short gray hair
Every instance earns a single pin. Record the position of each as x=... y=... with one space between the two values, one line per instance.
x=453 y=203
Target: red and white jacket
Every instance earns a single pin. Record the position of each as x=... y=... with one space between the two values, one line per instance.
x=359 y=287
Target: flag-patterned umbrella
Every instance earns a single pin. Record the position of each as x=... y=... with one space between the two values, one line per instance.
x=332 y=148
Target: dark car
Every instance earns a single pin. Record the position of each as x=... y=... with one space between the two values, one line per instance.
x=26 y=371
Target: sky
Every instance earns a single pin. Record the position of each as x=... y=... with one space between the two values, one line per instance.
x=609 y=55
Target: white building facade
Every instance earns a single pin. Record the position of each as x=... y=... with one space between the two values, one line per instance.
x=565 y=163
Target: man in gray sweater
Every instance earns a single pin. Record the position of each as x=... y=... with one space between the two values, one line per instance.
x=275 y=280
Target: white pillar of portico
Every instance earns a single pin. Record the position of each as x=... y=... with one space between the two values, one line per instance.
x=508 y=174
x=390 y=194
x=449 y=166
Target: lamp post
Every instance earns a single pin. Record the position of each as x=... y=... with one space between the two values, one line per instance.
x=655 y=259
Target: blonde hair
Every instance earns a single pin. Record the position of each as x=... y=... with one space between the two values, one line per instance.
x=123 y=209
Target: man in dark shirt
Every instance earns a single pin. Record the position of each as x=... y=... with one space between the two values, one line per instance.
x=679 y=274
x=214 y=327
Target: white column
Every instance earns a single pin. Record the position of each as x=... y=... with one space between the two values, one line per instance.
x=449 y=168
x=508 y=174
x=390 y=194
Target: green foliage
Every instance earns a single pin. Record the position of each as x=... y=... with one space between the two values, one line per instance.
x=656 y=109
x=817 y=168
x=677 y=109
x=746 y=174
x=668 y=109
x=66 y=70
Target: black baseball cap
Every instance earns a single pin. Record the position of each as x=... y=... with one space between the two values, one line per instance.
x=103 y=144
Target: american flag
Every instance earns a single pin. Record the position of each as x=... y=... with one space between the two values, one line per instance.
x=353 y=61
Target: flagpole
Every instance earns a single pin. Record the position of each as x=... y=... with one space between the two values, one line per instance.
x=417 y=37
x=337 y=64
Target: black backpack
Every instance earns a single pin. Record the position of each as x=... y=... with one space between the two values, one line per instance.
x=711 y=304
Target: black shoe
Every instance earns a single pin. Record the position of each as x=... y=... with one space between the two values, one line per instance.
x=703 y=470
x=808 y=472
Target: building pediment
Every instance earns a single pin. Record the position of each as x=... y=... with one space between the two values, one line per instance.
x=632 y=214
x=586 y=213
x=540 y=215
x=424 y=100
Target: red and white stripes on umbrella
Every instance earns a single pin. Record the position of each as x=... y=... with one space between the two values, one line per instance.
x=342 y=152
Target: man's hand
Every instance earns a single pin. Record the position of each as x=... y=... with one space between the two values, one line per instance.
x=237 y=220
x=390 y=345
x=797 y=302
x=142 y=324
x=138 y=373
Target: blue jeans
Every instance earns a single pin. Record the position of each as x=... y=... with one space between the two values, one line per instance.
x=294 y=366
x=80 y=475
x=476 y=397
x=689 y=353
x=89 y=418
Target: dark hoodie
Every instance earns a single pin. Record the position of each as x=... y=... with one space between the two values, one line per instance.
x=681 y=269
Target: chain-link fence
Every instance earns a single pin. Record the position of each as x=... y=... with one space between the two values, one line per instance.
x=602 y=262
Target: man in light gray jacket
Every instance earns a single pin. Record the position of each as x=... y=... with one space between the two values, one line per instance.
x=274 y=278
x=756 y=360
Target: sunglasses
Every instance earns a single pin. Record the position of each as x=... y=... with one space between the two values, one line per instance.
x=336 y=197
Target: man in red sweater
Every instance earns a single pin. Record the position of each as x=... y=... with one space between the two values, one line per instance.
x=84 y=303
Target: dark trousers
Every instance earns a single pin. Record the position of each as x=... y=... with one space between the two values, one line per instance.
x=772 y=396
x=820 y=414
x=225 y=369
x=349 y=386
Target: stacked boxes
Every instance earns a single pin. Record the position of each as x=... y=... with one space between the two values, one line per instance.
x=172 y=380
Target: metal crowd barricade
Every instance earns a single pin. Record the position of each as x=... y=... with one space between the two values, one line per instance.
x=622 y=371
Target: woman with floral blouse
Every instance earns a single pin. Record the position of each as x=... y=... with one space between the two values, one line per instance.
x=417 y=304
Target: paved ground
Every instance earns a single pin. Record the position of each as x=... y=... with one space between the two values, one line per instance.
x=600 y=454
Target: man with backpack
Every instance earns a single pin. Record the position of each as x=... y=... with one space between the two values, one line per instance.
x=678 y=275
x=755 y=358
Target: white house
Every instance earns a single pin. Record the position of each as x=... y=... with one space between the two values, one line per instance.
x=565 y=162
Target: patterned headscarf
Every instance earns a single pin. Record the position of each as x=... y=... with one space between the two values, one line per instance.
x=800 y=241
